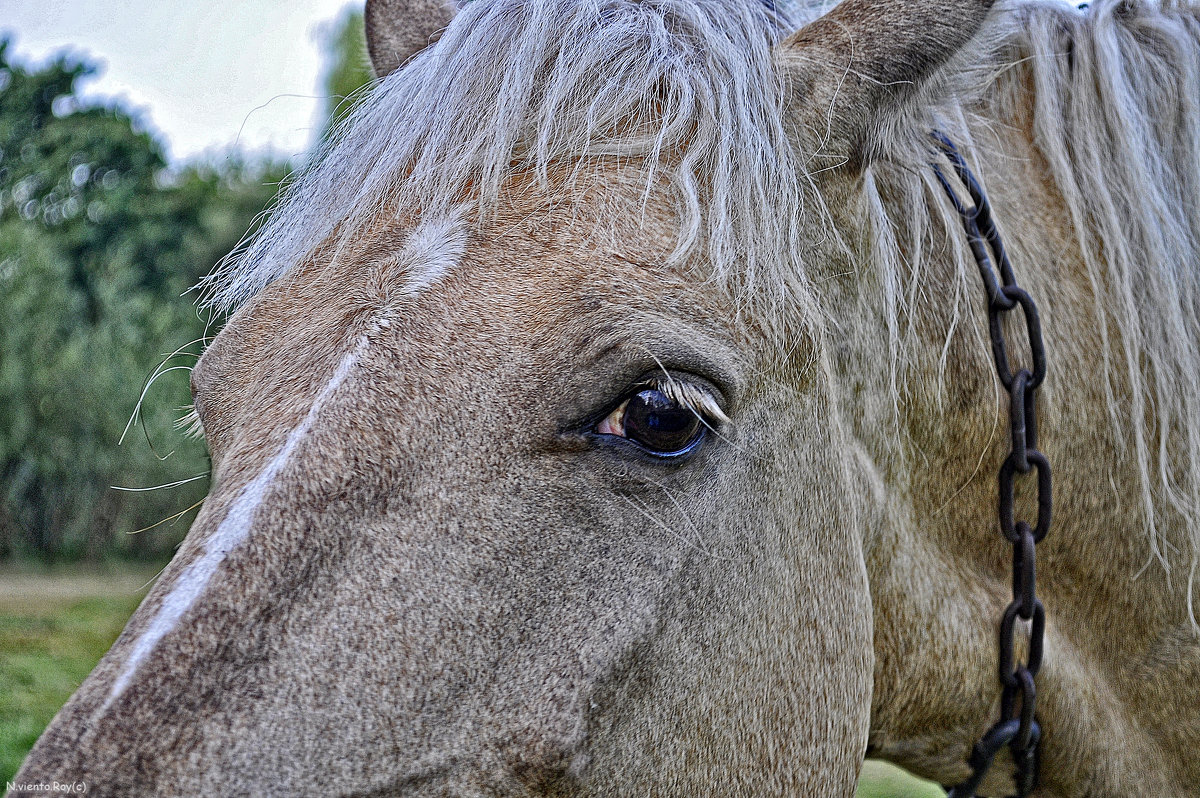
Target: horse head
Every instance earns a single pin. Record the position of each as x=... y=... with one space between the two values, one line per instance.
x=541 y=433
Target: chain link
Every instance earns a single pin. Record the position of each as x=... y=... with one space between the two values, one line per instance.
x=1017 y=727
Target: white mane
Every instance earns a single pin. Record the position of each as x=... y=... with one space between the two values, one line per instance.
x=1115 y=96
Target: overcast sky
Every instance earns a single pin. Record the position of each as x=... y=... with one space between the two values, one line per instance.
x=205 y=75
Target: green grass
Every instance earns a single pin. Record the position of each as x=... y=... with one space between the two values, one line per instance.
x=881 y=780
x=53 y=633
x=48 y=645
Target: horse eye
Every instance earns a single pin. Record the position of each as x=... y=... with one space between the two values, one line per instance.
x=654 y=421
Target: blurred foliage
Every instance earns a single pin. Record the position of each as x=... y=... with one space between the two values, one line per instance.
x=98 y=241
x=348 y=67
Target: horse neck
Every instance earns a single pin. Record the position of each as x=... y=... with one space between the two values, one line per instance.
x=928 y=419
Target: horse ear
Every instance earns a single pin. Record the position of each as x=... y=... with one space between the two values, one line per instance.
x=399 y=29
x=853 y=70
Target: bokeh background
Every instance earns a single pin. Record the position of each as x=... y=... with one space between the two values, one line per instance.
x=139 y=143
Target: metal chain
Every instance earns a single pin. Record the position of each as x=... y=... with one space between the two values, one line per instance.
x=1016 y=727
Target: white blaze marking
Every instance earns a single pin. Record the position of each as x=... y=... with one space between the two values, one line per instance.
x=434 y=248
x=233 y=530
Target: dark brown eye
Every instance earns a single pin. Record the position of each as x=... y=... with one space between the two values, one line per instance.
x=656 y=422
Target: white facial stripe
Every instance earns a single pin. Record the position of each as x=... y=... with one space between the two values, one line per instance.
x=233 y=530
x=434 y=248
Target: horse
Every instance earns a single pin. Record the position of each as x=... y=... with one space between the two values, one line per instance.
x=609 y=410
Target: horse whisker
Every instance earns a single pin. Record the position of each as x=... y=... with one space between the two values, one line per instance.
x=174 y=484
x=171 y=518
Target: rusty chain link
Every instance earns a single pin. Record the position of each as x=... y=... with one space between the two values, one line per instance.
x=1017 y=728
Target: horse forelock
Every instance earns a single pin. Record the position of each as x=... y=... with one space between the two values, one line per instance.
x=687 y=88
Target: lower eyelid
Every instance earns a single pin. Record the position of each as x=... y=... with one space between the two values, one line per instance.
x=627 y=445
x=685 y=451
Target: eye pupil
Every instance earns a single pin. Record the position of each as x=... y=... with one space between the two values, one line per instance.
x=659 y=423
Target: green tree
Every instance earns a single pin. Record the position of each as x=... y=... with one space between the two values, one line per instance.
x=347 y=67
x=97 y=244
